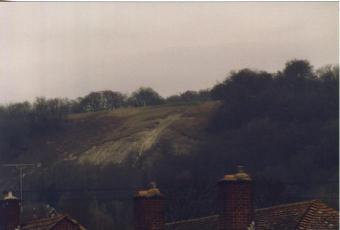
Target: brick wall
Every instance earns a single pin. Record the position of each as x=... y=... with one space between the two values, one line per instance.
x=9 y=214
x=236 y=204
x=149 y=213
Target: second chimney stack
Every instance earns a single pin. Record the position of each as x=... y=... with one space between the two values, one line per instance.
x=236 y=201
x=149 y=207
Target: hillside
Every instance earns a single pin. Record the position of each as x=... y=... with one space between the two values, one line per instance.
x=102 y=138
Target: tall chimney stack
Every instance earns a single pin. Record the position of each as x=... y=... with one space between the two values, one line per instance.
x=149 y=207
x=9 y=212
x=236 y=201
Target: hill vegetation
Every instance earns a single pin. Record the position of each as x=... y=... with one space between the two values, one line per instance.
x=98 y=150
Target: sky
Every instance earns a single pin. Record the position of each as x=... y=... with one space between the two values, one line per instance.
x=68 y=49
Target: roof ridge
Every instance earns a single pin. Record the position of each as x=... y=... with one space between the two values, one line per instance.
x=67 y=217
x=325 y=205
x=74 y=221
x=193 y=219
x=305 y=214
x=309 y=202
x=317 y=207
x=286 y=205
x=45 y=218
x=55 y=223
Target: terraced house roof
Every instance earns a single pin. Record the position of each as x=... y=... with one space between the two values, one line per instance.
x=313 y=215
x=53 y=223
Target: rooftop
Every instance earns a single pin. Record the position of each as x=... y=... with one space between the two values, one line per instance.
x=49 y=223
x=302 y=215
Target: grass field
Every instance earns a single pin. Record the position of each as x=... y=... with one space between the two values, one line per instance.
x=107 y=137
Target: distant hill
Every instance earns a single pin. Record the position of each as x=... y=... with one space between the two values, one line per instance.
x=102 y=138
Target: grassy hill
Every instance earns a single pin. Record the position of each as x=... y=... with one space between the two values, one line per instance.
x=102 y=138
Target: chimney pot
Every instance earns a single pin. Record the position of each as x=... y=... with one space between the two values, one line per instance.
x=9 y=196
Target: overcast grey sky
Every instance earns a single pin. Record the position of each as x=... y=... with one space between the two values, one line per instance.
x=68 y=49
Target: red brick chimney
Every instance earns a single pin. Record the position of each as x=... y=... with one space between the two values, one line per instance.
x=9 y=212
x=236 y=201
x=149 y=208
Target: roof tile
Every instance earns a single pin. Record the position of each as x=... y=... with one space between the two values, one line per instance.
x=49 y=223
x=313 y=215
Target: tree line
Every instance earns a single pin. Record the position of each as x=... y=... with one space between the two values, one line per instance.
x=19 y=122
x=103 y=100
x=144 y=96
